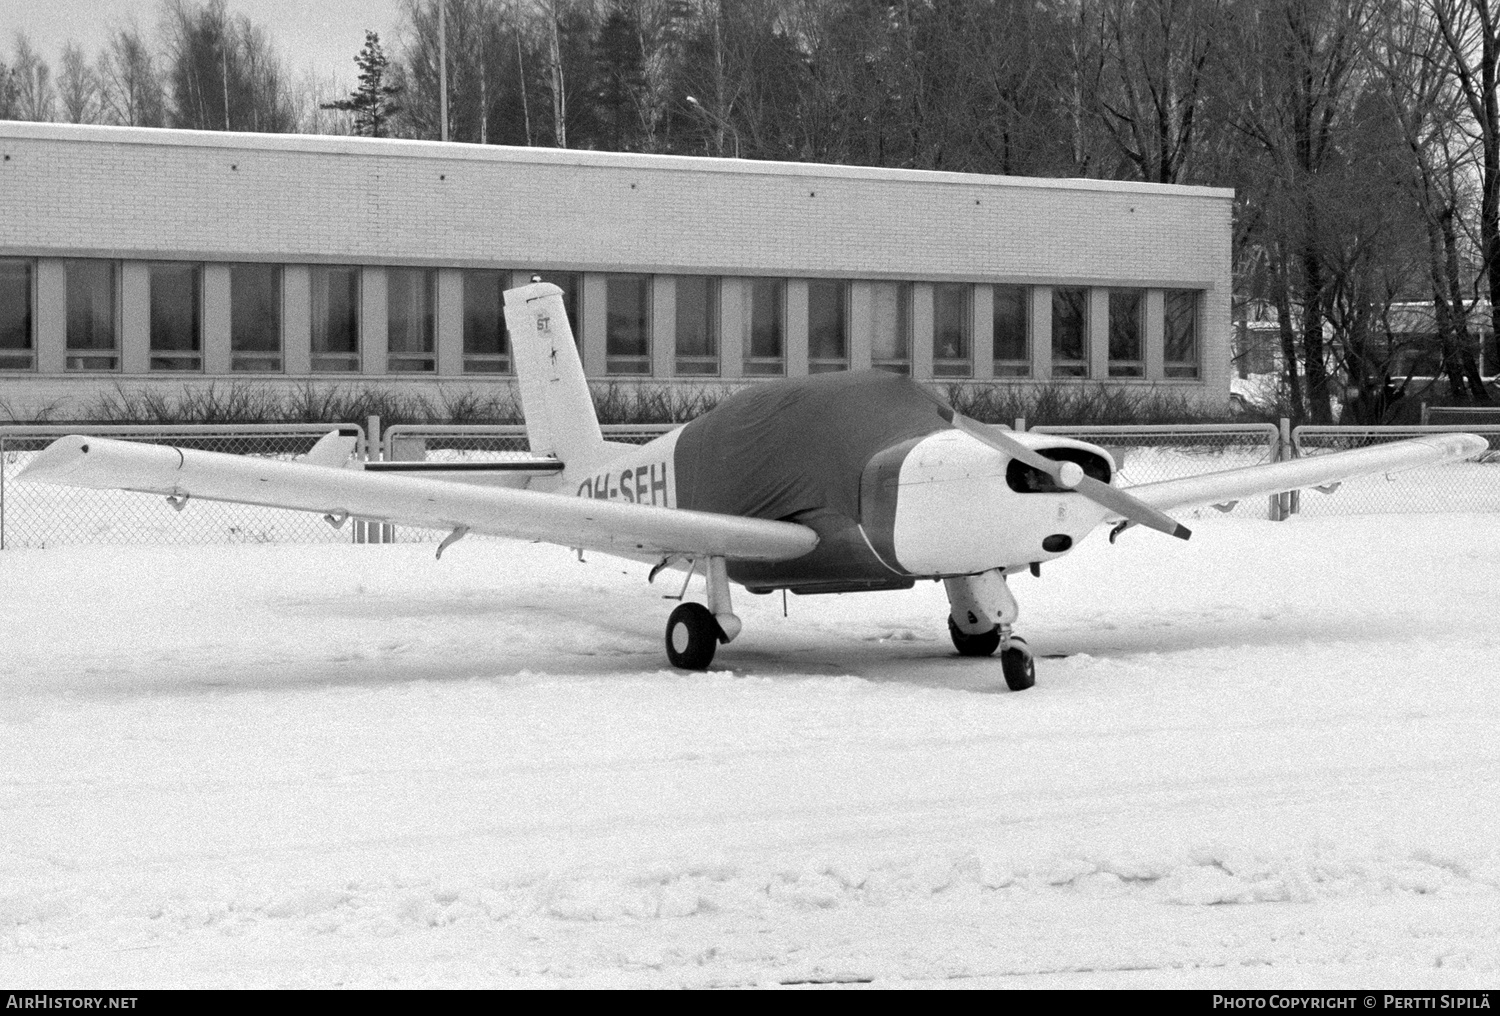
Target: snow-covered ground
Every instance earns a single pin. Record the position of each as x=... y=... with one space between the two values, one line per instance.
x=1267 y=757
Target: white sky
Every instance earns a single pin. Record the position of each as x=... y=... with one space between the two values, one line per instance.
x=323 y=34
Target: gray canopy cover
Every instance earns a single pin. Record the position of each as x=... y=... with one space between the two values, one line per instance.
x=777 y=450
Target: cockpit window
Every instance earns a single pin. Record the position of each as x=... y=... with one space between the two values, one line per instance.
x=1025 y=480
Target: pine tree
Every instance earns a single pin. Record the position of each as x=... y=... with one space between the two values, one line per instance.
x=372 y=103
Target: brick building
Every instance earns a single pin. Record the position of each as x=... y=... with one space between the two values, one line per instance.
x=164 y=259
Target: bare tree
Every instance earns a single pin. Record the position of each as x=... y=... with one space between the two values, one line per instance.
x=1158 y=60
x=7 y=92
x=223 y=72
x=131 y=91
x=312 y=97
x=78 y=87
x=1433 y=164
x=1301 y=84
x=1470 y=31
x=35 y=98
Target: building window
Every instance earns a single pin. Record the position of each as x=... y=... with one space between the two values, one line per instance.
x=1012 y=331
x=627 y=324
x=890 y=338
x=1181 y=321
x=952 y=329
x=176 y=317
x=1070 y=331
x=411 y=320
x=571 y=284
x=486 y=341
x=697 y=326
x=255 y=318
x=827 y=325
x=93 y=315
x=17 y=349
x=335 y=318
x=765 y=325
x=1126 y=307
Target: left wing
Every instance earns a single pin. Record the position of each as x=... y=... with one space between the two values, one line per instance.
x=433 y=504
x=1211 y=488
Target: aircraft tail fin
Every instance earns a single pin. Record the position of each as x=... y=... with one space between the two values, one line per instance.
x=560 y=418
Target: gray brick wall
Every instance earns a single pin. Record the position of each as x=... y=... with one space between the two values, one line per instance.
x=124 y=192
x=132 y=194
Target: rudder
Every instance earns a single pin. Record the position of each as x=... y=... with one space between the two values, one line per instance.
x=560 y=418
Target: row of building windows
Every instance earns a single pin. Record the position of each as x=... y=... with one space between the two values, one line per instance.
x=952 y=315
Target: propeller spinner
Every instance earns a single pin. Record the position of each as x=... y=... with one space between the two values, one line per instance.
x=1071 y=476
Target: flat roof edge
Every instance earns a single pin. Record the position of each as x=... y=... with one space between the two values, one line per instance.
x=406 y=148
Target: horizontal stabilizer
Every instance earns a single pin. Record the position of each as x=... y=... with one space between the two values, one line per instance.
x=610 y=526
x=332 y=450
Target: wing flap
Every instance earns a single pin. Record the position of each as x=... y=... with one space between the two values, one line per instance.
x=1272 y=478
x=484 y=474
x=434 y=504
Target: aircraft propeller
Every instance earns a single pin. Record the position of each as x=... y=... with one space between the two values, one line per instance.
x=1070 y=475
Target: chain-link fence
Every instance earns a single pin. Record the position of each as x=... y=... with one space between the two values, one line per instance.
x=40 y=515
x=1151 y=453
x=470 y=444
x=1465 y=416
x=1471 y=486
x=419 y=442
x=45 y=515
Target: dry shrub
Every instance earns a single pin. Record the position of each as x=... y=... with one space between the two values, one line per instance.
x=244 y=402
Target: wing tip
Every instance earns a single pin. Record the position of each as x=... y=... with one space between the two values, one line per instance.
x=56 y=460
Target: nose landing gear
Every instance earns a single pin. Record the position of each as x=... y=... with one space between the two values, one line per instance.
x=1018 y=665
x=981 y=612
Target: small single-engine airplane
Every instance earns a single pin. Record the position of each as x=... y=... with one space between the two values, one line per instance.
x=831 y=483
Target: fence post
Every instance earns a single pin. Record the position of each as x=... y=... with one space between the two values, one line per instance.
x=1277 y=508
x=1020 y=426
x=375 y=532
x=1288 y=498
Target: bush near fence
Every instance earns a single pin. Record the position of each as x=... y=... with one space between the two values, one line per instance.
x=496 y=402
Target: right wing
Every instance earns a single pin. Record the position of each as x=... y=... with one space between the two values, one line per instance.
x=608 y=526
x=1274 y=477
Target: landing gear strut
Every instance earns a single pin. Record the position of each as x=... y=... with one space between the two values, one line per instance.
x=981 y=612
x=695 y=631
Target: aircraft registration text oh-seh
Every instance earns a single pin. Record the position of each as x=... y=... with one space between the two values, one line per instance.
x=839 y=482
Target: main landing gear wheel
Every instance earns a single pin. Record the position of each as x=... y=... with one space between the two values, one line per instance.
x=1018 y=665
x=983 y=644
x=693 y=635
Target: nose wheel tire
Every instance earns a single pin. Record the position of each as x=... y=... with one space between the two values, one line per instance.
x=983 y=644
x=1016 y=662
x=692 y=637
x=1018 y=665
